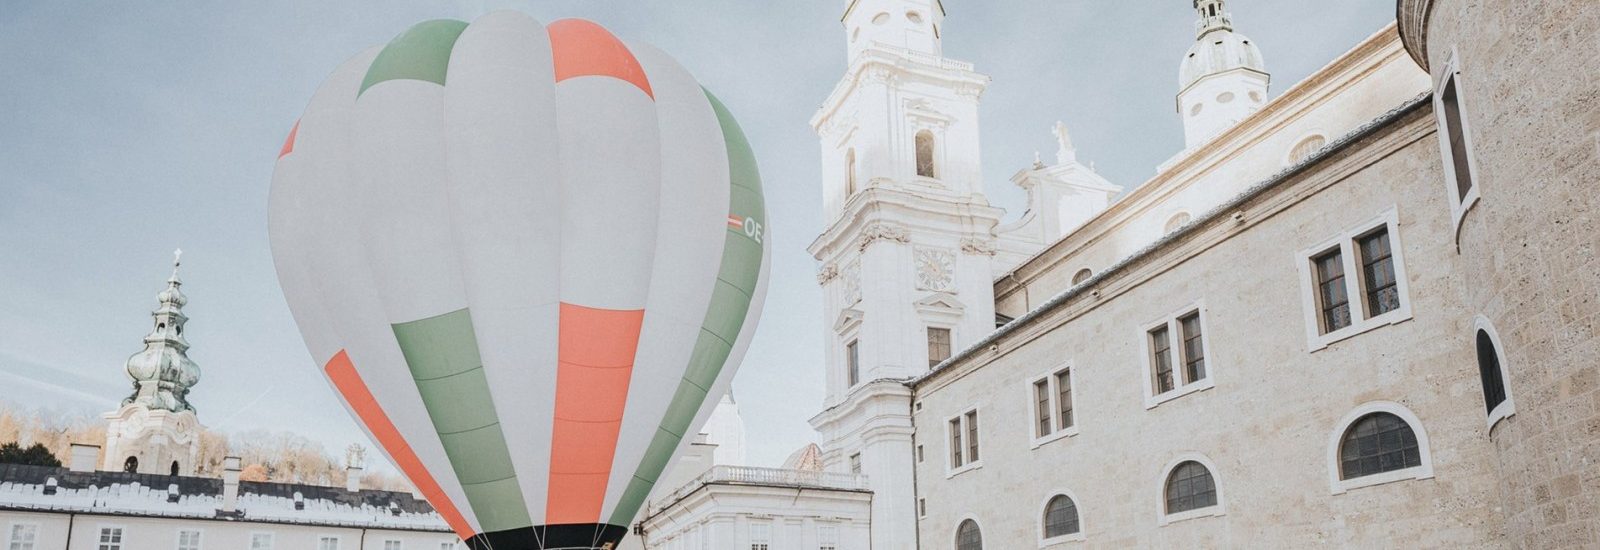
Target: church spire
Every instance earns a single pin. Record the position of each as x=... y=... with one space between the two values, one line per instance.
x=163 y=373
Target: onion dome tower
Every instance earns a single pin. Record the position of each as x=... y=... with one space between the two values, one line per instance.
x=155 y=431
x=1223 y=78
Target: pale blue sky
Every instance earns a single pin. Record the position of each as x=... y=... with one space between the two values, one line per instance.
x=128 y=129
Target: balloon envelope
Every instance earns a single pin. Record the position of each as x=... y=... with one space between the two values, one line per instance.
x=525 y=255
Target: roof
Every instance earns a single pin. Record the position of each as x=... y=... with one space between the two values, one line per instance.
x=1225 y=209
x=1216 y=52
x=147 y=495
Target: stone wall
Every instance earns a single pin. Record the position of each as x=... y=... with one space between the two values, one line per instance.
x=1531 y=92
x=1267 y=422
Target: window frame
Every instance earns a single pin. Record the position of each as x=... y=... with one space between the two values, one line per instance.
x=1044 y=509
x=199 y=539
x=955 y=532
x=11 y=534
x=950 y=332
x=1291 y=159
x=766 y=528
x=1219 y=509
x=852 y=362
x=122 y=535
x=1053 y=387
x=398 y=544
x=272 y=539
x=338 y=541
x=1424 y=470
x=962 y=420
x=1347 y=241
x=1508 y=407
x=1172 y=323
x=1459 y=204
x=934 y=154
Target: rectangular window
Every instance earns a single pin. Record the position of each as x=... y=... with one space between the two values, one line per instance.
x=1041 y=395
x=1331 y=296
x=188 y=540
x=328 y=543
x=919 y=453
x=110 y=538
x=760 y=536
x=1354 y=282
x=447 y=546
x=23 y=537
x=955 y=444
x=852 y=359
x=922 y=507
x=1161 y=358
x=938 y=346
x=1194 y=350
x=1064 y=398
x=1377 y=274
x=1456 y=136
x=261 y=541
x=391 y=545
x=855 y=463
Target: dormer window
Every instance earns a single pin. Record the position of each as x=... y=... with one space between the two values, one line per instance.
x=925 y=148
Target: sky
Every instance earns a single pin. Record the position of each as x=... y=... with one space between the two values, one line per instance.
x=129 y=129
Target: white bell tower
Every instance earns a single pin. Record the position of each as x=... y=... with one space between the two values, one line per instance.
x=1223 y=78
x=907 y=254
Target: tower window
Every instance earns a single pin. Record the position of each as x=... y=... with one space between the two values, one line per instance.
x=881 y=18
x=131 y=465
x=1194 y=110
x=925 y=150
x=1492 y=370
x=849 y=174
x=174 y=467
x=852 y=360
x=1455 y=140
x=938 y=345
x=914 y=17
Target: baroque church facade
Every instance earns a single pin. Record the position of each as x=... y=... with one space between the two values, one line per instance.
x=1359 y=312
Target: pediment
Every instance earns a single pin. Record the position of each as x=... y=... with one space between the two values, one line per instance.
x=849 y=319
x=941 y=303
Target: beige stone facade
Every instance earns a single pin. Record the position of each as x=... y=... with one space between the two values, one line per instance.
x=1530 y=74
x=1268 y=419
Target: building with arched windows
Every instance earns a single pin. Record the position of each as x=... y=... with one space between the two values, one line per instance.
x=1325 y=321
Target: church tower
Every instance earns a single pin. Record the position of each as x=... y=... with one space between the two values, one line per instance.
x=1223 y=78
x=908 y=250
x=156 y=431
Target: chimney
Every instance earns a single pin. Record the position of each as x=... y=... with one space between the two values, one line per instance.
x=230 y=484
x=352 y=478
x=83 y=458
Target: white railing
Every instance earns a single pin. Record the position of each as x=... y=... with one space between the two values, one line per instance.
x=768 y=477
x=924 y=57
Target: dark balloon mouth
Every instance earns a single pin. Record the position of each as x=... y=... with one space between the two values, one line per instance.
x=571 y=536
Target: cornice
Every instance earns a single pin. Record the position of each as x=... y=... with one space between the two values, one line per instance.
x=1413 y=16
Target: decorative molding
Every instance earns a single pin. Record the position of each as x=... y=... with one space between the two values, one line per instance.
x=882 y=231
x=852 y=282
x=827 y=273
x=978 y=246
x=1413 y=17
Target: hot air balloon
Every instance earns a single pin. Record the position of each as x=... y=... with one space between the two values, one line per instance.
x=524 y=255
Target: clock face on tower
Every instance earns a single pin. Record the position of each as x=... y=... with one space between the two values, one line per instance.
x=936 y=270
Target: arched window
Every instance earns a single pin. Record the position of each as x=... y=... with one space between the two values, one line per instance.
x=1190 y=487
x=131 y=465
x=1306 y=147
x=174 y=467
x=1493 y=372
x=1082 y=275
x=1176 y=221
x=925 y=166
x=1376 y=443
x=849 y=174
x=1494 y=387
x=1060 y=517
x=968 y=537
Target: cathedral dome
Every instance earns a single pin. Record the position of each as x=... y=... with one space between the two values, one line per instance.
x=1218 y=51
x=162 y=372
